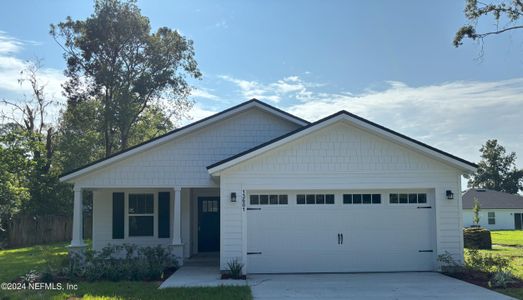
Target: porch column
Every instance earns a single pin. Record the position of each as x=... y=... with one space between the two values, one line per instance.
x=177 y=213
x=78 y=239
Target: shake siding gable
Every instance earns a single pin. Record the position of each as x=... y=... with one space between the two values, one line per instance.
x=183 y=161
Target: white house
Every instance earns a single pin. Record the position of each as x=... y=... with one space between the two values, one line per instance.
x=498 y=211
x=255 y=183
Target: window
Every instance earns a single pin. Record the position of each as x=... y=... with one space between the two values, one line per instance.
x=141 y=215
x=315 y=199
x=361 y=198
x=491 y=218
x=268 y=199
x=411 y=198
x=210 y=206
x=300 y=199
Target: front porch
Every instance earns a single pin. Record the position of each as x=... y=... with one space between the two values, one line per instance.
x=187 y=220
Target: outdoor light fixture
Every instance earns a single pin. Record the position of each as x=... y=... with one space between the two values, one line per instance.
x=450 y=195
x=233 y=197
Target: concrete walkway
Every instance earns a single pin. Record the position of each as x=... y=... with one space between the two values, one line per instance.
x=200 y=271
x=409 y=285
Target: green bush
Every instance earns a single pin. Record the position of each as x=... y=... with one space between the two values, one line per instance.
x=234 y=268
x=477 y=238
x=122 y=262
x=487 y=263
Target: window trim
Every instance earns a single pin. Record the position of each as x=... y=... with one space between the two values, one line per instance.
x=361 y=196
x=274 y=196
x=153 y=214
x=493 y=218
x=408 y=194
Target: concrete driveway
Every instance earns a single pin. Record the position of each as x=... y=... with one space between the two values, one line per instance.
x=411 y=285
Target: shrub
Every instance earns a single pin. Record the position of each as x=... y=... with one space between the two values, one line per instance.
x=501 y=279
x=122 y=262
x=234 y=268
x=449 y=264
x=486 y=262
x=477 y=238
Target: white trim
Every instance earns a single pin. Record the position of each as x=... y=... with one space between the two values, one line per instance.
x=215 y=118
x=215 y=171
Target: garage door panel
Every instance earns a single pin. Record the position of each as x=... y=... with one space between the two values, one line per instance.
x=376 y=237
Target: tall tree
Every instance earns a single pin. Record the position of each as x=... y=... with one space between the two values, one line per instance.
x=113 y=56
x=497 y=170
x=27 y=151
x=507 y=12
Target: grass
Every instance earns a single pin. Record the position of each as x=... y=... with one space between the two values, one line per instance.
x=509 y=243
x=507 y=238
x=17 y=262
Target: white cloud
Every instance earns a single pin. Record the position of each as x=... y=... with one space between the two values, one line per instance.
x=273 y=92
x=456 y=116
x=197 y=113
x=203 y=93
x=11 y=65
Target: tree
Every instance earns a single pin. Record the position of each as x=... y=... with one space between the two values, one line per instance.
x=113 y=57
x=475 y=210
x=497 y=170
x=502 y=11
x=28 y=176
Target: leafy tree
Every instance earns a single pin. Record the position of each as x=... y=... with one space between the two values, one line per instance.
x=475 y=210
x=497 y=170
x=508 y=12
x=28 y=176
x=14 y=166
x=113 y=57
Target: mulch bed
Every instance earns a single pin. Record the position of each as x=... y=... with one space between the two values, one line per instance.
x=228 y=276
x=481 y=279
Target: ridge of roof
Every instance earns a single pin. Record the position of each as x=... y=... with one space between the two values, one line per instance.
x=341 y=112
x=176 y=130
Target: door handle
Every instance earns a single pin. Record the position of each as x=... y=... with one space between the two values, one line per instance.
x=342 y=238
x=339 y=239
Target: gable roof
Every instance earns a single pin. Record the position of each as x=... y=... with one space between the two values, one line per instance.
x=491 y=199
x=358 y=122
x=67 y=176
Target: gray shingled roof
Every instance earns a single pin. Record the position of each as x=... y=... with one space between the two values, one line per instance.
x=491 y=199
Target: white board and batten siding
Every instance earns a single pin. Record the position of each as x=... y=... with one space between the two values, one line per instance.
x=340 y=158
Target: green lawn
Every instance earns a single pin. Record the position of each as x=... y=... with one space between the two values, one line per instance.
x=16 y=262
x=509 y=243
x=507 y=237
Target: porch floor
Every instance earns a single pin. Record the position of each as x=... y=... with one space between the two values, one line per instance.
x=202 y=270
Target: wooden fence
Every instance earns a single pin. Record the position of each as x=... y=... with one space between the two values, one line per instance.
x=34 y=230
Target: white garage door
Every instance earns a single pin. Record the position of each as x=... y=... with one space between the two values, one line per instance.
x=352 y=231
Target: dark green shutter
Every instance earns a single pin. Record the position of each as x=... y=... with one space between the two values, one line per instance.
x=164 y=228
x=118 y=215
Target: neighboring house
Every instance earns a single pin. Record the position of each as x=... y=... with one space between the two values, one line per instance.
x=498 y=210
x=281 y=194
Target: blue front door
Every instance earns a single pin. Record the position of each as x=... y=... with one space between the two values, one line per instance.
x=208 y=224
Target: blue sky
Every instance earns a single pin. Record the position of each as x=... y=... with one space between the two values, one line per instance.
x=390 y=61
